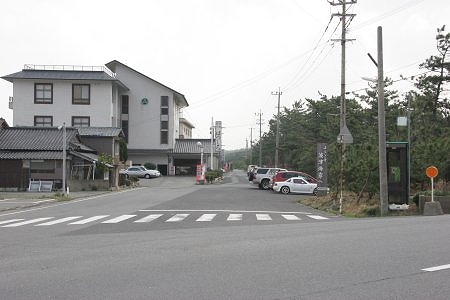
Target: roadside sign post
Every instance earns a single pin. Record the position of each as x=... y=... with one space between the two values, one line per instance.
x=432 y=172
x=432 y=208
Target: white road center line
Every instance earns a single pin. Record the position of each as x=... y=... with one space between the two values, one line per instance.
x=118 y=219
x=58 y=221
x=148 y=218
x=178 y=218
x=91 y=219
x=437 y=268
x=10 y=221
x=291 y=217
x=234 y=217
x=317 y=217
x=206 y=218
x=28 y=222
x=263 y=217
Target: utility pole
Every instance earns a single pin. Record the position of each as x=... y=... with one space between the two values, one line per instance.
x=343 y=40
x=384 y=207
x=277 y=139
x=251 y=146
x=212 y=146
x=260 y=141
x=344 y=136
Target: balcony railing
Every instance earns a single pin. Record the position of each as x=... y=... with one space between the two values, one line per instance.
x=70 y=68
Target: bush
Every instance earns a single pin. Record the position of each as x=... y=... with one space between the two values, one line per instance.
x=150 y=166
x=212 y=175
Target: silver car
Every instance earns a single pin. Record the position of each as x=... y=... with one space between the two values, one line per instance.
x=295 y=185
x=140 y=171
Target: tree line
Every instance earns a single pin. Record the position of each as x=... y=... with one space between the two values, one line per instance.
x=312 y=121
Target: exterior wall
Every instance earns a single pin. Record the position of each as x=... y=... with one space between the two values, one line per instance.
x=99 y=110
x=185 y=131
x=101 y=144
x=144 y=119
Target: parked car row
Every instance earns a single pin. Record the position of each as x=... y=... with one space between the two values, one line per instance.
x=282 y=180
x=141 y=172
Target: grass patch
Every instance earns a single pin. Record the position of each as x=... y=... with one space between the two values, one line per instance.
x=353 y=206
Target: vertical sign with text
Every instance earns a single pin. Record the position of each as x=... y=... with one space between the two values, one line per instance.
x=322 y=165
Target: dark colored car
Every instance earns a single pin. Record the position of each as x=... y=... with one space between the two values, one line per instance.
x=285 y=175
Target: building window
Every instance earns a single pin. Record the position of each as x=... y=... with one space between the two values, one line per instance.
x=164 y=101
x=124 y=104
x=164 y=111
x=43 y=93
x=81 y=121
x=164 y=137
x=125 y=129
x=43 y=121
x=164 y=120
x=81 y=94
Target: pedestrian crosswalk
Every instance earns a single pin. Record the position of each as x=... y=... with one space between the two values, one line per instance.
x=163 y=217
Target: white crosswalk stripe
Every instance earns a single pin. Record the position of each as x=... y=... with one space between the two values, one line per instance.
x=170 y=218
x=148 y=218
x=49 y=223
x=10 y=221
x=88 y=220
x=206 y=218
x=178 y=218
x=234 y=217
x=263 y=217
x=291 y=217
x=118 y=219
x=315 y=217
x=28 y=222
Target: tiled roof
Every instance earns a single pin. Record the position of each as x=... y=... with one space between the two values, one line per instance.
x=7 y=154
x=40 y=143
x=190 y=146
x=100 y=131
x=59 y=75
x=35 y=138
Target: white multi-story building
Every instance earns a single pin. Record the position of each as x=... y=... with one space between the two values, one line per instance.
x=114 y=95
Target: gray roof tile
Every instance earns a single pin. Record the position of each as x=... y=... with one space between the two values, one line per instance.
x=190 y=146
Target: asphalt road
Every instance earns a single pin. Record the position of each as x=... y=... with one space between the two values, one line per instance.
x=224 y=241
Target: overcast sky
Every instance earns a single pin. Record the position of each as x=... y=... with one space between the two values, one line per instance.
x=225 y=56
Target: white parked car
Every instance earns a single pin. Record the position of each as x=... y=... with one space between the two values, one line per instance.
x=140 y=171
x=295 y=185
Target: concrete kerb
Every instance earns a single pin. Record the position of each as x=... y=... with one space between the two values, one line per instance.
x=22 y=200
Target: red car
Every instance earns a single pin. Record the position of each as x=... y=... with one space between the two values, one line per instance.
x=285 y=175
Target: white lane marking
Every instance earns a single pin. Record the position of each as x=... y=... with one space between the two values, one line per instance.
x=72 y=201
x=148 y=218
x=317 y=217
x=234 y=217
x=91 y=219
x=28 y=222
x=206 y=218
x=118 y=219
x=263 y=217
x=227 y=211
x=291 y=217
x=10 y=221
x=178 y=218
x=437 y=268
x=58 y=221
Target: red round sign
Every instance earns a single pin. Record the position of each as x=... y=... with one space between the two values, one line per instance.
x=432 y=171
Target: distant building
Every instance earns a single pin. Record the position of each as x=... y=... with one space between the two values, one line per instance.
x=115 y=95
